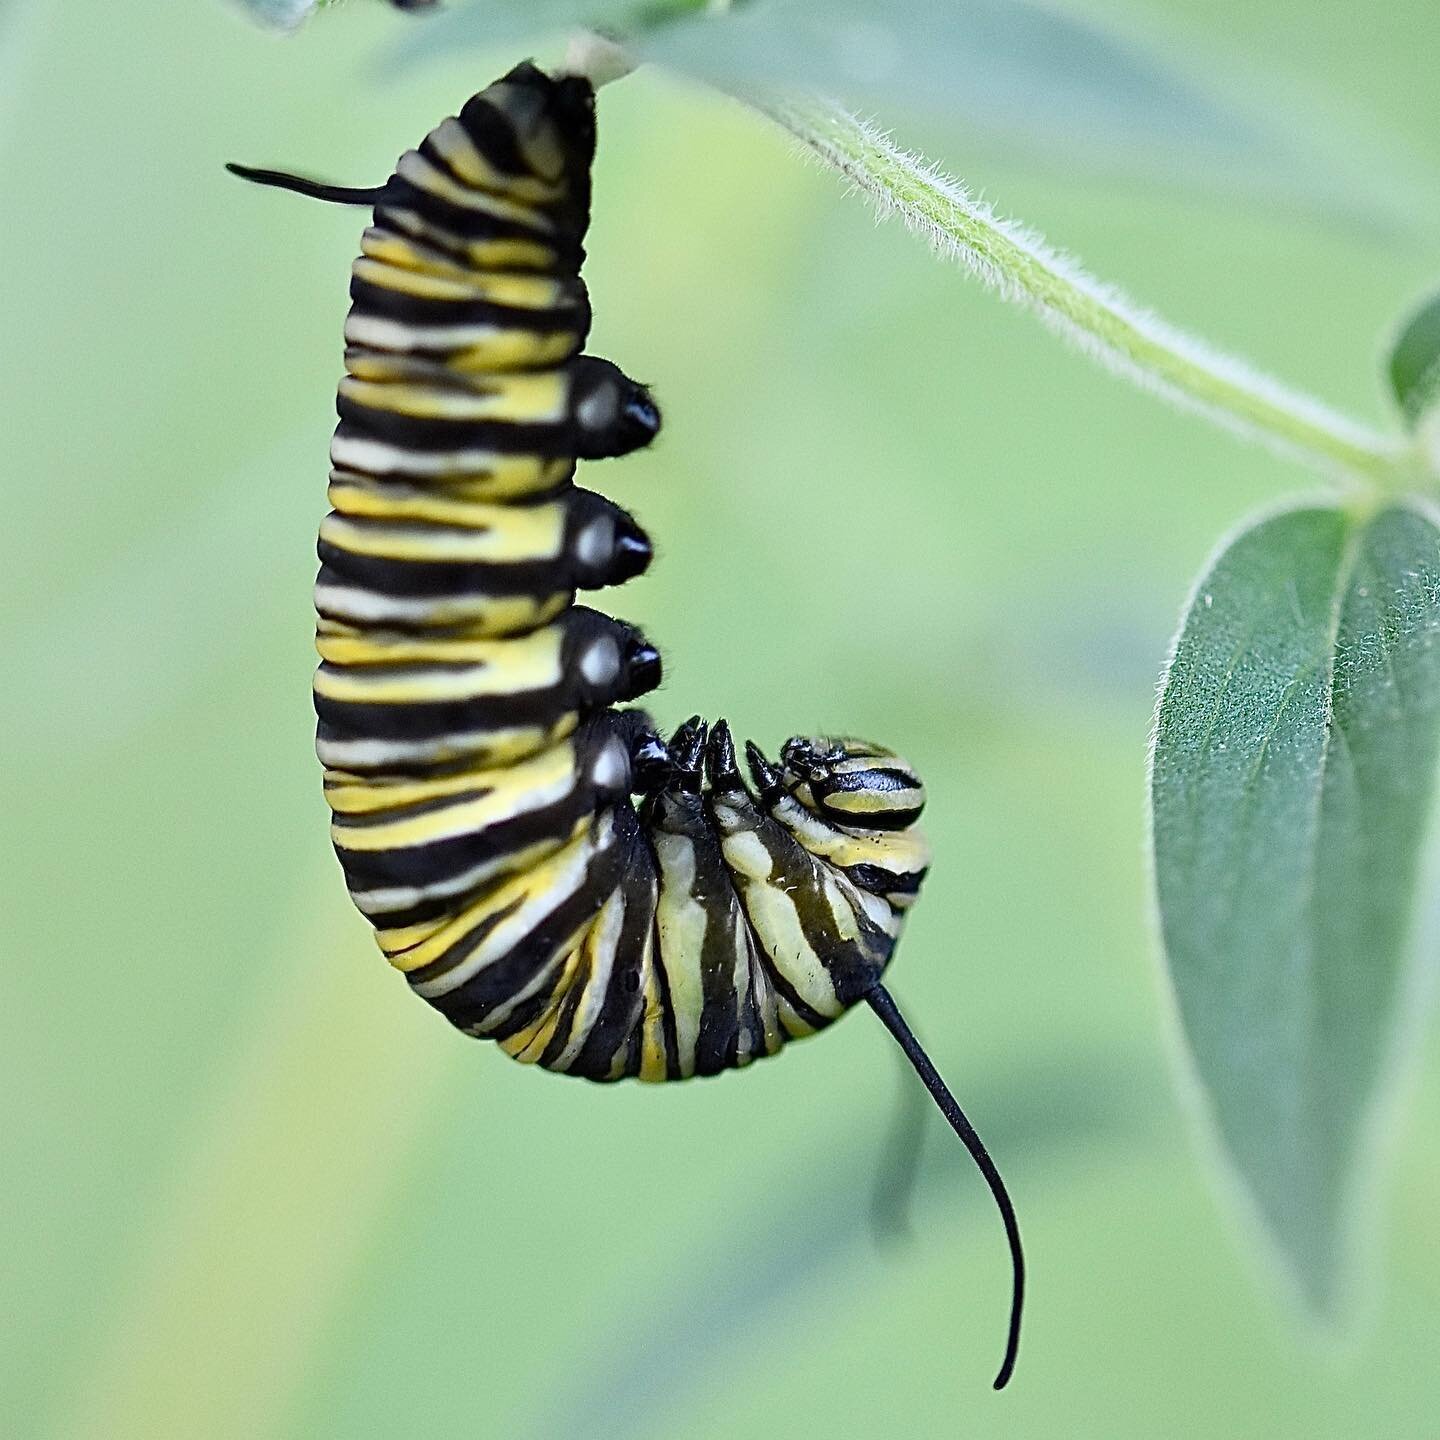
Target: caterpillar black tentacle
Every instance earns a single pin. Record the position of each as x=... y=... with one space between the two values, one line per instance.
x=543 y=867
x=311 y=189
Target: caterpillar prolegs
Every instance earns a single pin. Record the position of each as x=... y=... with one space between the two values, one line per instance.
x=543 y=867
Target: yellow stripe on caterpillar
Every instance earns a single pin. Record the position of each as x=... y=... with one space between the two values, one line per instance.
x=681 y=921
x=485 y=253
x=861 y=803
x=500 y=795
x=384 y=900
x=459 y=153
x=517 y=289
x=415 y=168
x=653 y=1068
x=521 y=902
x=528 y=1045
x=411 y=253
x=533 y=533
x=522 y=398
x=532 y=662
x=471 y=349
x=598 y=949
x=385 y=684
x=900 y=852
x=477 y=615
x=777 y=923
x=348 y=793
x=364 y=496
x=480 y=747
x=478 y=474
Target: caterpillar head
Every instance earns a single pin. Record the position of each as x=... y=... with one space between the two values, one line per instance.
x=851 y=782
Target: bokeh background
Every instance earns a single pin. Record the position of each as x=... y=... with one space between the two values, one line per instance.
x=251 y=1188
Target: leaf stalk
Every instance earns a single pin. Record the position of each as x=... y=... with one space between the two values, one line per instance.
x=1097 y=318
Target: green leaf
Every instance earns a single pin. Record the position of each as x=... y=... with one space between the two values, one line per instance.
x=1020 y=68
x=1415 y=363
x=1017 y=66
x=1291 y=792
x=1023 y=72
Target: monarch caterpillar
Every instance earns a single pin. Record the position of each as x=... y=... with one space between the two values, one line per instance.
x=542 y=866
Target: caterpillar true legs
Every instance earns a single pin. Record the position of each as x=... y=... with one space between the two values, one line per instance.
x=482 y=781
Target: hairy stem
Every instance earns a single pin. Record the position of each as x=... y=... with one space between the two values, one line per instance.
x=1098 y=319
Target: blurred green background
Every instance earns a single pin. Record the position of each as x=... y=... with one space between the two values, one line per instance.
x=253 y=1189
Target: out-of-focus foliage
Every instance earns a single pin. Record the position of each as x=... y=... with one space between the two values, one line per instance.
x=1415 y=363
x=254 y=1189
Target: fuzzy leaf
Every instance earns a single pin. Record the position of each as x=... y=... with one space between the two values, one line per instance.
x=1023 y=72
x=1415 y=364
x=1291 y=789
x=1014 y=67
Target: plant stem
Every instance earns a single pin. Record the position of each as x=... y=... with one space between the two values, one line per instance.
x=1095 y=317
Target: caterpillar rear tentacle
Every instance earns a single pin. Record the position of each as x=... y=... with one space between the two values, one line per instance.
x=544 y=868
